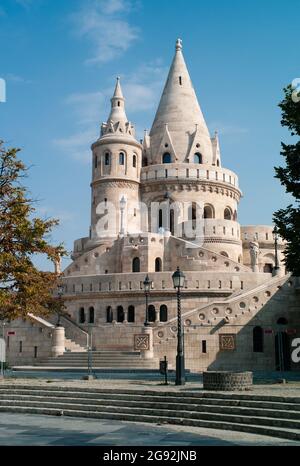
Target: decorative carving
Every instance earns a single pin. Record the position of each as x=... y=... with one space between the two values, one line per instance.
x=227 y=342
x=141 y=342
x=254 y=253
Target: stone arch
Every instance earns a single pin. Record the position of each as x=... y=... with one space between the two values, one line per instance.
x=198 y=158
x=109 y=314
x=163 y=313
x=91 y=315
x=81 y=315
x=208 y=211
x=136 y=264
x=228 y=213
x=151 y=313
x=131 y=314
x=120 y=314
x=122 y=157
x=158 y=264
x=166 y=158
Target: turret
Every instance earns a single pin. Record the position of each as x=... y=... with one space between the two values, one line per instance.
x=117 y=159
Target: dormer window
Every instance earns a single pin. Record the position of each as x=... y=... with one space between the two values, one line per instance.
x=197 y=157
x=121 y=158
x=166 y=158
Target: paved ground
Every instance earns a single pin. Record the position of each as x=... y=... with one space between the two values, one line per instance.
x=27 y=429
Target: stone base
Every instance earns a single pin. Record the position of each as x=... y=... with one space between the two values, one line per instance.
x=227 y=381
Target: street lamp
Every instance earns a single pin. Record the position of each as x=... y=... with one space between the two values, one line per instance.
x=147 y=287
x=178 y=278
x=275 y=235
x=60 y=292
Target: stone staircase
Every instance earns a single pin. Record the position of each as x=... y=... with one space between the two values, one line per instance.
x=72 y=346
x=115 y=360
x=270 y=415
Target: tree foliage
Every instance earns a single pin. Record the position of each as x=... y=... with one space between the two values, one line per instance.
x=23 y=288
x=288 y=220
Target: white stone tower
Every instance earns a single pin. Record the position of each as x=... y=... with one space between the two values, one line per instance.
x=116 y=175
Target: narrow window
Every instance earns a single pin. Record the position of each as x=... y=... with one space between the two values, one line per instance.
x=91 y=315
x=120 y=314
x=134 y=161
x=158 y=264
x=81 y=315
x=20 y=347
x=35 y=351
x=258 y=340
x=131 y=316
x=96 y=161
x=121 y=158
x=151 y=313
x=109 y=314
x=163 y=313
x=180 y=80
x=107 y=159
x=203 y=346
x=118 y=103
x=136 y=264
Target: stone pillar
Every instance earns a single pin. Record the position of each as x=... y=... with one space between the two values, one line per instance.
x=148 y=353
x=58 y=341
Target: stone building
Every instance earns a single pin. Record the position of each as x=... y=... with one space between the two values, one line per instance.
x=156 y=204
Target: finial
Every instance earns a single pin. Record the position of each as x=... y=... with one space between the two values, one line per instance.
x=178 y=44
x=118 y=78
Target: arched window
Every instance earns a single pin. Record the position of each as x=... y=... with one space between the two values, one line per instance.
x=109 y=314
x=235 y=215
x=197 y=157
x=130 y=316
x=158 y=264
x=208 y=212
x=282 y=321
x=96 y=161
x=134 y=160
x=166 y=158
x=136 y=264
x=120 y=314
x=227 y=214
x=224 y=253
x=163 y=313
x=268 y=268
x=258 y=340
x=118 y=103
x=91 y=315
x=160 y=218
x=151 y=313
x=172 y=228
x=107 y=158
x=81 y=315
x=218 y=163
x=121 y=158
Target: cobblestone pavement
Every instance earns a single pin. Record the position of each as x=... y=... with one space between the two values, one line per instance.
x=34 y=430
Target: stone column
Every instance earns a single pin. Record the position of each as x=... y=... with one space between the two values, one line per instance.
x=148 y=353
x=58 y=341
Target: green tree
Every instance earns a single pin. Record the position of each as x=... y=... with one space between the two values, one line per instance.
x=23 y=288
x=288 y=220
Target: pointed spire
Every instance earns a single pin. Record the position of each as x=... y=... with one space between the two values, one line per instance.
x=117 y=112
x=179 y=108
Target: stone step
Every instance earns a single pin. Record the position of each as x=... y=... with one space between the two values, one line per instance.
x=158 y=398
x=153 y=398
x=162 y=418
x=159 y=404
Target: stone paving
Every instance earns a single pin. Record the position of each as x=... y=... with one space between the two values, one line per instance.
x=34 y=430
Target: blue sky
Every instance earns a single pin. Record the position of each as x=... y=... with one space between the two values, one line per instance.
x=60 y=59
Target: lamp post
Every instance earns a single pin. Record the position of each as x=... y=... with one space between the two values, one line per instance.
x=147 y=287
x=122 y=209
x=178 y=278
x=275 y=234
x=60 y=292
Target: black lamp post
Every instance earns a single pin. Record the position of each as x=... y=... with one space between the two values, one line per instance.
x=60 y=292
x=275 y=234
x=147 y=287
x=178 y=282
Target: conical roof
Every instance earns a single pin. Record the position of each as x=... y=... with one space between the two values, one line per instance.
x=180 y=113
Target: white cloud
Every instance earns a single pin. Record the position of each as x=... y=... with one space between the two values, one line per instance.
x=78 y=144
x=102 y=24
x=87 y=106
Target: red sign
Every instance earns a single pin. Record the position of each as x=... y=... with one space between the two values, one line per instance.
x=268 y=331
x=11 y=333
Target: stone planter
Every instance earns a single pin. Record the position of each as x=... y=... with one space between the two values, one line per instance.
x=227 y=380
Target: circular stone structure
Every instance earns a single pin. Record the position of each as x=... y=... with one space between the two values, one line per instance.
x=227 y=380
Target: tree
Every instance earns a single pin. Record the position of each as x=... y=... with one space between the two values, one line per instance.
x=23 y=288
x=288 y=220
